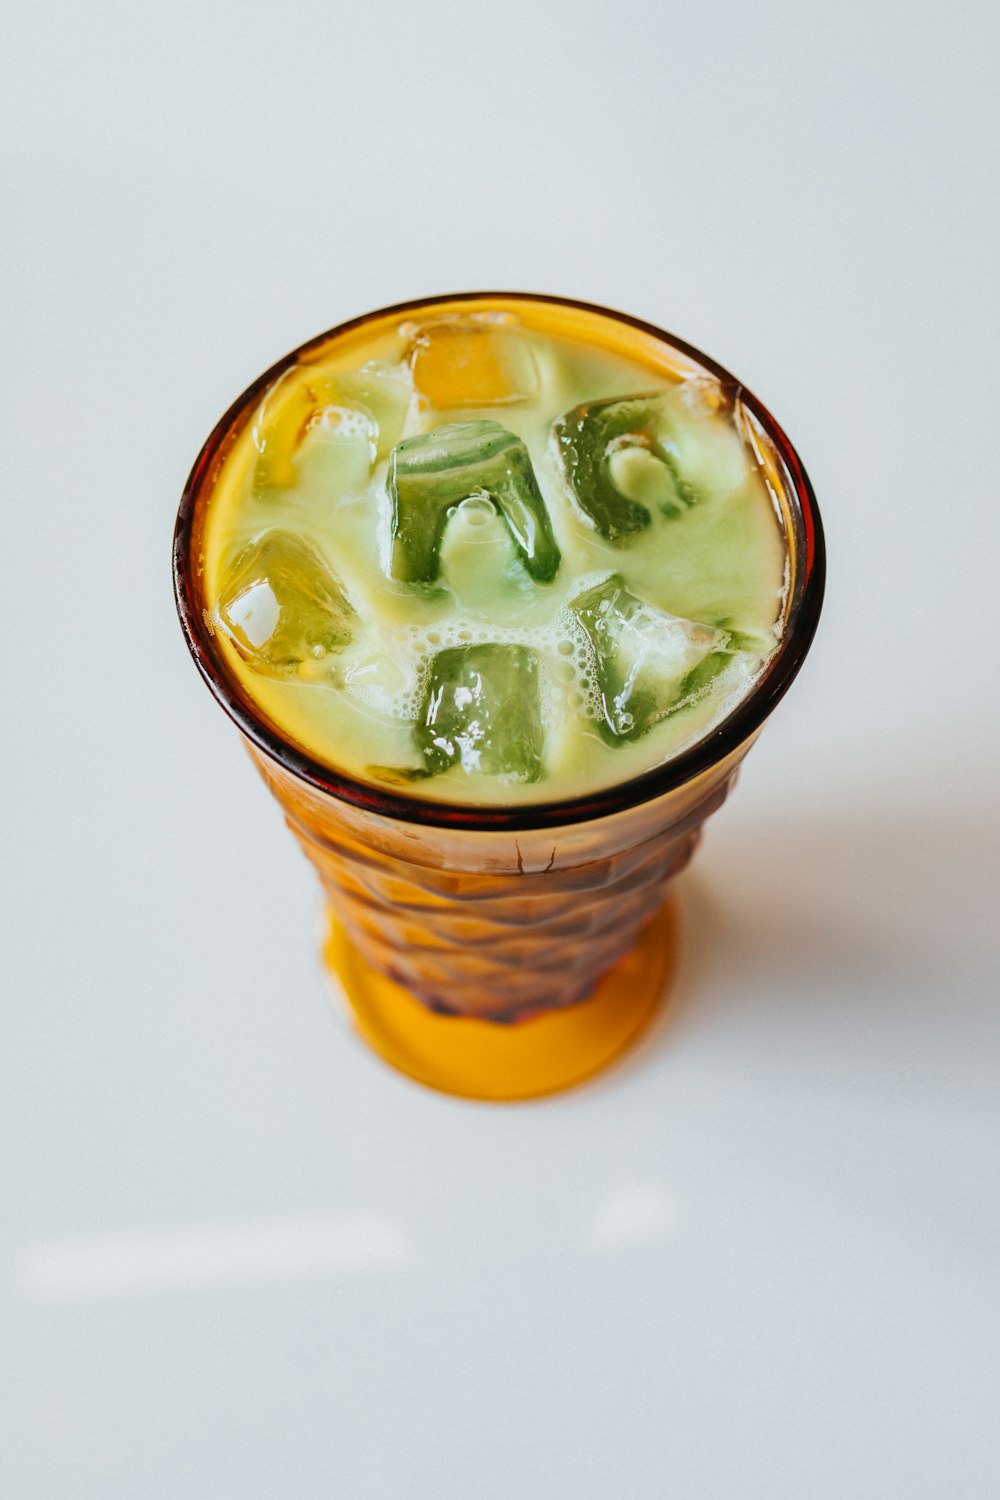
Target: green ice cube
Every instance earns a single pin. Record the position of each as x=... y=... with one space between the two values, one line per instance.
x=281 y=606
x=481 y=711
x=649 y=664
x=610 y=483
x=431 y=474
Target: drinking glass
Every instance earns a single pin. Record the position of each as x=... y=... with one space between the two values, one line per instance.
x=505 y=952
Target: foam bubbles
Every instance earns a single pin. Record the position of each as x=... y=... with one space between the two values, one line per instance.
x=391 y=676
x=390 y=672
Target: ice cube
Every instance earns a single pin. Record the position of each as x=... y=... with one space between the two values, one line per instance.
x=481 y=711
x=281 y=607
x=364 y=409
x=648 y=664
x=384 y=393
x=471 y=363
x=618 y=459
x=380 y=675
x=704 y=443
x=430 y=475
x=338 y=449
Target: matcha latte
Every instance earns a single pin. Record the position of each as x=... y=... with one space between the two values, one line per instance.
x=495 y=553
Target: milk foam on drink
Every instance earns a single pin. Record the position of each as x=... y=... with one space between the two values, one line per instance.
x=496 y=554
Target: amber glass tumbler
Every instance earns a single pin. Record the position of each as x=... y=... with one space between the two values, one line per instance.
x=506 y=952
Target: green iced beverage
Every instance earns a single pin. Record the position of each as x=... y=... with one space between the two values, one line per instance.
x=499 y=589
x=475 y=558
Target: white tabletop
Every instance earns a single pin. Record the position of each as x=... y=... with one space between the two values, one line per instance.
x=242 y=1259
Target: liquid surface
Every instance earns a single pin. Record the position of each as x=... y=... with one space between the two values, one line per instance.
x=500 y=553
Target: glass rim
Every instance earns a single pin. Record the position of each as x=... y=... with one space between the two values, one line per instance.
x=807 y=588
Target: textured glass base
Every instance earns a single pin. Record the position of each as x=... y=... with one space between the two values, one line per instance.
x=484 y=1060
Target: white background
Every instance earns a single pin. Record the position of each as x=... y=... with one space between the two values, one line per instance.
x=242 y=1260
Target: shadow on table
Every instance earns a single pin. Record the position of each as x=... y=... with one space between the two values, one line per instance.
x=837 y=910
